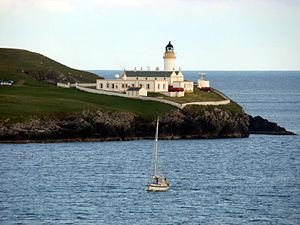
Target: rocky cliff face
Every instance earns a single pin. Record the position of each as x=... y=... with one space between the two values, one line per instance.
x=103 y=125
x=210 y=122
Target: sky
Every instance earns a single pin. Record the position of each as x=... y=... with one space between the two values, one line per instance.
x=123 y=34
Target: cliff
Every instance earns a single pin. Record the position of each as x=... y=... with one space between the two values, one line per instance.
x=207 y=122
x=100 y=125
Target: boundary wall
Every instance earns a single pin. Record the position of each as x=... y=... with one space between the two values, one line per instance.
x=86 y=88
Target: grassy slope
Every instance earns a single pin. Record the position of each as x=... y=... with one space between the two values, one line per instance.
x=196 y=96
x=232 y=107
x=21 y=103
x=15 y=62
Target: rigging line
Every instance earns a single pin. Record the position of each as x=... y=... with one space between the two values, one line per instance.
x=156 y=143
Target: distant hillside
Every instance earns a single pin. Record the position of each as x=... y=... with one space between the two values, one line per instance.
x=29 y=68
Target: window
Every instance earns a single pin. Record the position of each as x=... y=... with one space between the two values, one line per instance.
x=122 y=85
x=116 y=86
x=146 y=78
x=137 y=78
x=158 y=86
x=155 y=78
x=107 y=85
x=164 y=86
x=148 y=86
x=132 y=85
x=126 y=85
x=101 y=86
x=164 y=78
x=112 y=86
x=141 y=85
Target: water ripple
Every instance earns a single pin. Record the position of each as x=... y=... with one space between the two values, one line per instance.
x=228 y=181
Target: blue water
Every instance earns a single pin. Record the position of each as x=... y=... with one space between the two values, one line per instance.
x=253 y=180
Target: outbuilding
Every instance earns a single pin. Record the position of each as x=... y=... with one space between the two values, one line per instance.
x=203 y=84
x=136 y=92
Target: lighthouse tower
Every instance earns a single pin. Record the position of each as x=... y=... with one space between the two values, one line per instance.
x=169 y=58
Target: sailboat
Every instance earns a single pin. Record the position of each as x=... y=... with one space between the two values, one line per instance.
x=157 y=182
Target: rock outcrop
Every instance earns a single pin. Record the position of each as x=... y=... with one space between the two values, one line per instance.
x=103 y=126
x=189 y=123
x=259 y=125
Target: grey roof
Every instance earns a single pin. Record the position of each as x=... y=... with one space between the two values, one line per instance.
x=141 y=73
x=133 y=89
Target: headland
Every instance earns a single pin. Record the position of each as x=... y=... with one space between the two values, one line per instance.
x=35 y=110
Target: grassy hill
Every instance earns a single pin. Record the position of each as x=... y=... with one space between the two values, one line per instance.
x=22 y=103
x=32 y=96
x=27 y=68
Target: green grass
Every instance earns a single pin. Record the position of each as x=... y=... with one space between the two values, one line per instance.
x=22 y=103
x=23 y=67
x=196 y=96
x=232 y=107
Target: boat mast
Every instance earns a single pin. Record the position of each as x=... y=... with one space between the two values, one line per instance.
x=155 y=148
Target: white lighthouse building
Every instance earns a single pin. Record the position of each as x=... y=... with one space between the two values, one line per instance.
x=169 y=58
x=168 y=81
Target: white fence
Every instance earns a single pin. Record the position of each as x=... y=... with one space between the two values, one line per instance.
x=224 y=102
x=96 y=91
x=69 y=85
x=86 y=87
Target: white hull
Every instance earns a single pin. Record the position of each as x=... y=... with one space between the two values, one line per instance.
x=157 y=187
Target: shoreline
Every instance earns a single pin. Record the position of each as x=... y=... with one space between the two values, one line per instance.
x=105 y=126
x=74 y=140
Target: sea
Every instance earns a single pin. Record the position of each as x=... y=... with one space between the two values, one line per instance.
x=253 y=180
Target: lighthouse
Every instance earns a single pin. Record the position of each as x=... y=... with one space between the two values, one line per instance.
x=168 y=81
x=169 y=58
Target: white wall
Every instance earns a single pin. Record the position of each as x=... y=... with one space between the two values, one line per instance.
x=132 y=93
x=122 y=85
x=169 y=64
x=224 y=102
x=153 y=99
x=68 y=85
x=188 y=86
x=176 y=77
x=203 y=84
x=143 y=92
